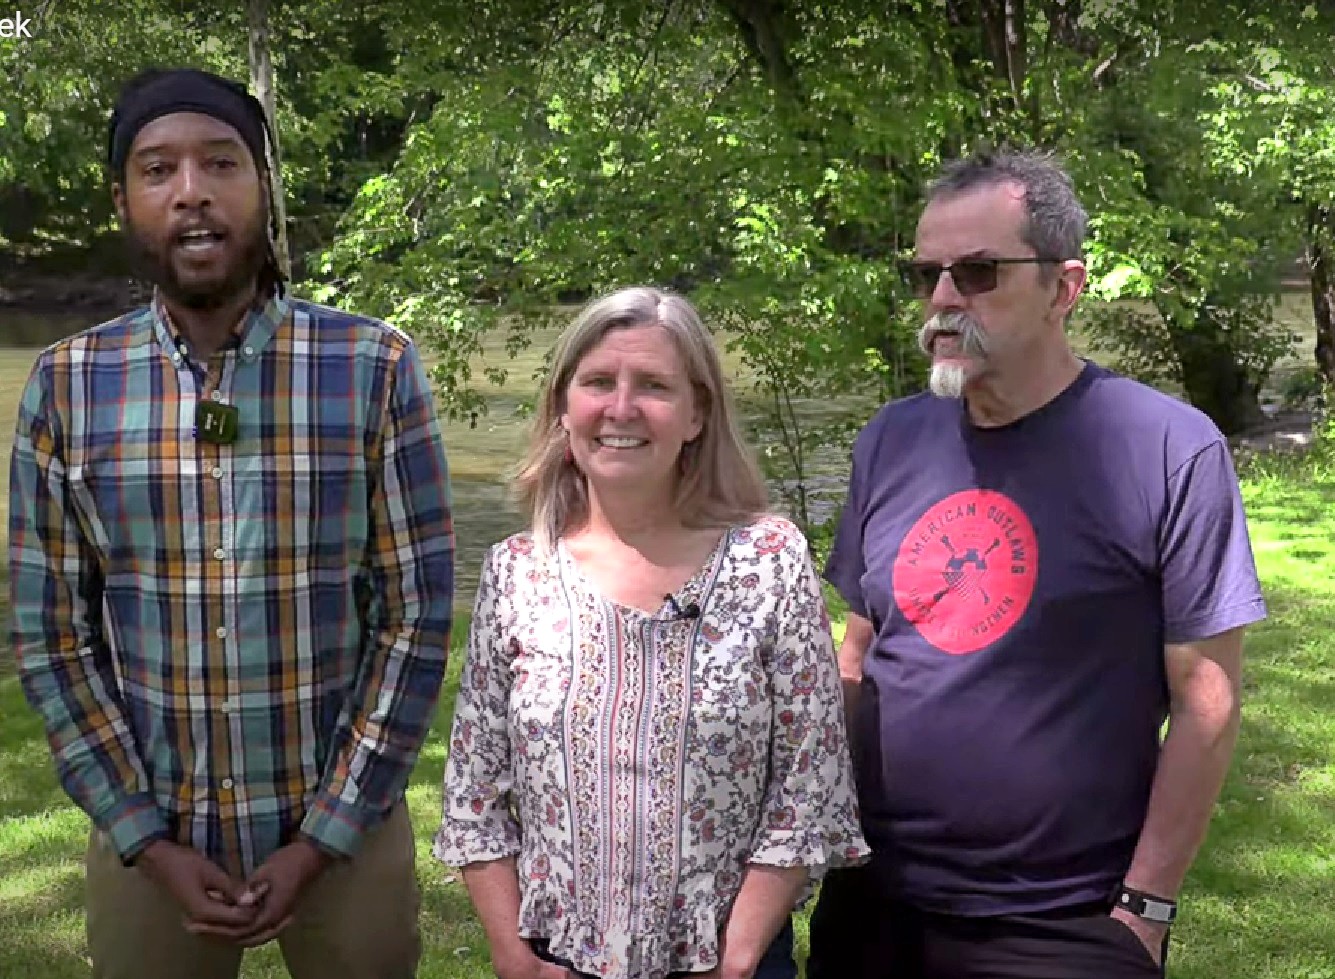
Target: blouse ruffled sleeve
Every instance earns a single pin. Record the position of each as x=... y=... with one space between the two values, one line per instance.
x=809 y=815
x=478 y=822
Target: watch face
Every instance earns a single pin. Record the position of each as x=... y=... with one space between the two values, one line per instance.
x=1149 y=908
x=1165 y=916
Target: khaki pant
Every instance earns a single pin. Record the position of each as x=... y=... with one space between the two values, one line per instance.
x=358 y=920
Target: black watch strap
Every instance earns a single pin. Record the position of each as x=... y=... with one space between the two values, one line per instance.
x=1147 y=906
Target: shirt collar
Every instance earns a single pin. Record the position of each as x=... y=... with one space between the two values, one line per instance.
x=251 y=333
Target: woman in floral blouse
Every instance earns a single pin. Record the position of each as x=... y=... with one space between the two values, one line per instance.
x=648 y=767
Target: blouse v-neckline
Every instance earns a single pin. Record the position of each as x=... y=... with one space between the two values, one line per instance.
x=691 y=591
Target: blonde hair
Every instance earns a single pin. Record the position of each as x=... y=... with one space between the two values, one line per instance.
x=719 y=481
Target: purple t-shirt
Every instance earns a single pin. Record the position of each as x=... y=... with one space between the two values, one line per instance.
x=1022 y=582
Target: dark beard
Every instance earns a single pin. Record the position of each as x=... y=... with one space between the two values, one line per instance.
x=152 y=265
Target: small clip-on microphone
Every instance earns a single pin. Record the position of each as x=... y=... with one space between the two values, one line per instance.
x=691 y=611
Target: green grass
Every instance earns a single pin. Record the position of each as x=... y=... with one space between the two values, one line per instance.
x=14 y=366
x=1260 y=901
x=1261 y=897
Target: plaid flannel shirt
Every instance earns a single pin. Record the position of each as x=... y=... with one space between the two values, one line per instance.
x=232 y=644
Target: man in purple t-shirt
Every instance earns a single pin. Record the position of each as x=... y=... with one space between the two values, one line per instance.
x=1043 y=562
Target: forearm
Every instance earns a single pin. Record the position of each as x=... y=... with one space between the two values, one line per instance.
x=64 y=664
x=852 y=653
x=384 y=736
x=763 y=904
x=410 y=556
x=95 y=755
x=1193 y=763
x=493 y=887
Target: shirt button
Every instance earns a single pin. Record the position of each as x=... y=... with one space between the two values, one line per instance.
x=217 y=472
x=249 y=351
x=219 y=553
x=227 y=783
x=221 y=632
x=227 y=706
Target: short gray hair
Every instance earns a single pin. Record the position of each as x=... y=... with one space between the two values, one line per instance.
x=1057 y=223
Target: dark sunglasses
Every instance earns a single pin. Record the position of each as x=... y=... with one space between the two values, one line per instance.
x=972 y=276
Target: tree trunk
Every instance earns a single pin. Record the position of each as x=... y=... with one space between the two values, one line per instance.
x=261 y=80
x=1017 y=48
x=1213 y=379
x=965 y=19
x=1004 y=31
x=1064 y=24
x=763 y=24
x=1323 y=290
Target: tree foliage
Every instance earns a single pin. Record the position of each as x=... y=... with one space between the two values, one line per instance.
x=470 y=169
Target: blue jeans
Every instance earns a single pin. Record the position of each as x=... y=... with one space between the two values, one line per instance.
x=776 y=963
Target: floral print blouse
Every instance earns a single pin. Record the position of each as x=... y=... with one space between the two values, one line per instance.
x=637 y=763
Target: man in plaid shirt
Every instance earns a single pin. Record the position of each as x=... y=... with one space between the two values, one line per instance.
x=231 y=560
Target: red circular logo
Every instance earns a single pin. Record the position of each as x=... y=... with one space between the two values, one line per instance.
x=965 y=571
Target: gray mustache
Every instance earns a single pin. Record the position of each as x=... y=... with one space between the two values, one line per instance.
x=973 y=338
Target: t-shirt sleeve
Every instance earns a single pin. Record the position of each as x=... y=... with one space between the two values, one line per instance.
x=845 y=566
x=1209 y=574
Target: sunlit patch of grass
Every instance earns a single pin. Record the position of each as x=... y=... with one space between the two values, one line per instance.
x=41 y=892
x=42 y=835
x=27 y=776
x=48 y=945
x=15 y=363
x=1260 y=901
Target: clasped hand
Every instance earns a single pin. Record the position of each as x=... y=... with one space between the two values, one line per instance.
x=217 y=905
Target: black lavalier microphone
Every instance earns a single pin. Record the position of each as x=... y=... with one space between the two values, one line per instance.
x=691 y=611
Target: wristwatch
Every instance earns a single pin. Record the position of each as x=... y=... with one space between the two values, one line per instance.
x=1147 y=906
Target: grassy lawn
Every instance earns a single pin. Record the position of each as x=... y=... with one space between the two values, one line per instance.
x=14 y=366
x=1261 y=898
x=1260 y=901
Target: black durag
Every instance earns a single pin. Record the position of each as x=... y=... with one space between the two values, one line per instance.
x=191 y=90
x=186 y=90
